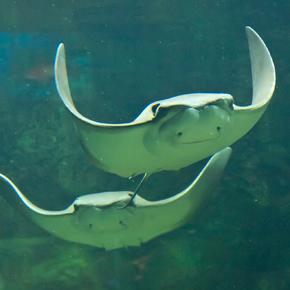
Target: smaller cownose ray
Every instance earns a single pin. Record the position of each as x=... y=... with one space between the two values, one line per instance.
x=97 y=220
x=173 y=133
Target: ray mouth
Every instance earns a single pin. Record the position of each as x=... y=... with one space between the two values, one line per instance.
x=198 y=141
x=194 y=142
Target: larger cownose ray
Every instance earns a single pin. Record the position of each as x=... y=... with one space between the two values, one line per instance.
x=95 y=219
x=173 y=133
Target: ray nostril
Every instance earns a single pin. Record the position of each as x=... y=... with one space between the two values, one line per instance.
x=218 y=129
x=179 y=133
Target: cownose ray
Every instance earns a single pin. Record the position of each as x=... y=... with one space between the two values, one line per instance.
x=173 y=133
x=95 y=219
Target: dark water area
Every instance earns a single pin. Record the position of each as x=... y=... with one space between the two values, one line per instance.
x=121 y=56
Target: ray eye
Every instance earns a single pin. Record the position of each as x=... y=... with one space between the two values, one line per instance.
x=179 y=133
x=218 y=129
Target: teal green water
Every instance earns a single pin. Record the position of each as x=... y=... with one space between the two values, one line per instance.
x=121 y=56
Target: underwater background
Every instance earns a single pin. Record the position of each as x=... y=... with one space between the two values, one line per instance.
x=121 y=56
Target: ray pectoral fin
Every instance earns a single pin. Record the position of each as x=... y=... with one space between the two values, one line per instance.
x=205 y=183
x=263 y=80
x=170 y=213
x=62 y=86
x=61 y=80
x=57 y=223
x=17 y=199
x=263 y=70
